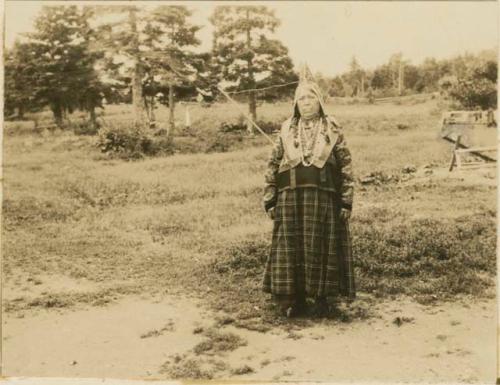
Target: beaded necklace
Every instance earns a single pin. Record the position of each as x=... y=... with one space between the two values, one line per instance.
x=308 y=141
x=298 y=131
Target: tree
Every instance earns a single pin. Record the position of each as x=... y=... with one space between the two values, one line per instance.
x=18 y=80
x=397 y=65
x=245 y=54
x=58 y=62
x=478 y=88
x=154 y=45
x=336 y=87
x=398 y=75
x=412 y=77
x=273 y=66
x=446 y=83
x=356 y=77
x=169 y=63
x=459 y=65
x=431 y=73
x=121 y=39
x=324 y=84
x=382 y=78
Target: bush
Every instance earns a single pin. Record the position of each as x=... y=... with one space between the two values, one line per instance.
x=241 y=126
x=84 y=128
x=269 y=127
x=475 y=93
x=232 y=127
x=478 y=88
x=130 y=142
x=223 y=142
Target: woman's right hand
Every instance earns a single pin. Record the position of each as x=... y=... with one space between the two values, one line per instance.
x=270 y=213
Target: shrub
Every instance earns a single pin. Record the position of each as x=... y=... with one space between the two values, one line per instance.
x=223 y=142
x=128 y=141
x=232 y=127
x=190 y=145
x=84 y=128
x=269 y=127
x=478 y=88
x=475 y=93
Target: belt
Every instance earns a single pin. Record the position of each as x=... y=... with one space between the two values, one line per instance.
x=302 y=176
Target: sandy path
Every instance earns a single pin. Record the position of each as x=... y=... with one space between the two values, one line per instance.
x=452 y=342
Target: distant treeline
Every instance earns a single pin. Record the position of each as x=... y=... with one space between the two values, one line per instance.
x=457 y=77
x=146 y=56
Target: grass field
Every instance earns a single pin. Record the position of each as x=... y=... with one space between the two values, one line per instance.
x=194 y=222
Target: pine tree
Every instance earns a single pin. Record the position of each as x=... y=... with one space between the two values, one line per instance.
x=244 y=52
x=58 y=62
x=170 y=64
x=121 y=38
x=356 y=77
x=18 y=80
x=155 y=45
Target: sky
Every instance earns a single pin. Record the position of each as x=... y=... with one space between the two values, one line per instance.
x=327 y=35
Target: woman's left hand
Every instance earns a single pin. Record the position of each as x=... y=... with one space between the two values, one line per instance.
x=345 y=214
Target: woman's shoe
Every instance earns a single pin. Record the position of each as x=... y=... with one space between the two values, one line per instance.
x=300 y=307
x=293 y=311
x=321 y=308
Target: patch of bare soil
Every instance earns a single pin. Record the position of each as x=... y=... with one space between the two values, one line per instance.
x=28 y=286
x=25 y=292
x=173 y=337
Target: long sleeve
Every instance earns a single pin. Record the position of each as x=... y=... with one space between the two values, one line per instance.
x=344 y=161
x=270 y=190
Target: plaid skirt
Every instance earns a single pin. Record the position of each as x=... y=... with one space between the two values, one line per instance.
x=311 y=247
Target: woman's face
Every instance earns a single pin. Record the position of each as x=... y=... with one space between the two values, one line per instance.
x=308 y=103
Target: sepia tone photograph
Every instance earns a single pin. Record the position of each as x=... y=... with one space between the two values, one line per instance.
x=279 y=191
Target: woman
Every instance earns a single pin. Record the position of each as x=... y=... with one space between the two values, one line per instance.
x=308 y=193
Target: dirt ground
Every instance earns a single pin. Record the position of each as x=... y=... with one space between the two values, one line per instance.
x=451 y=342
